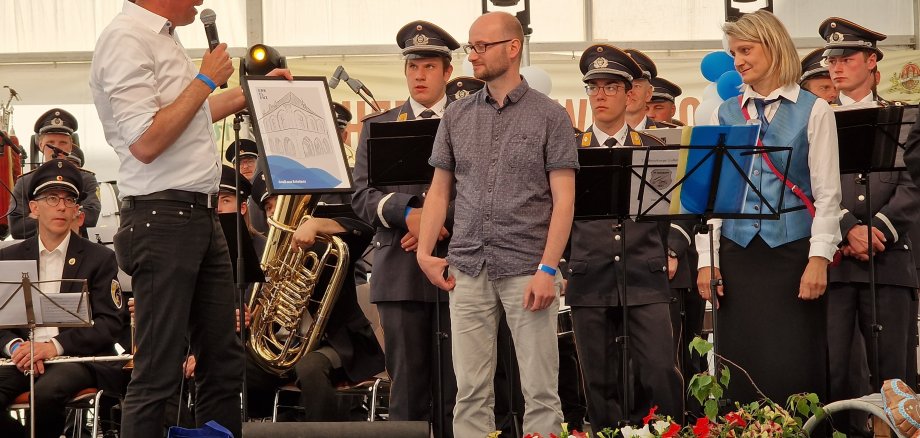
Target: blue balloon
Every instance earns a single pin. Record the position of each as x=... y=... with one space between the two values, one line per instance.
x=715 y=64
x=728 y=84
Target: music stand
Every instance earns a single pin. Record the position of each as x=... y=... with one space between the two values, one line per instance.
x=397 y=154
x=711 y=183
x=602 y=192
x=879 y=129
x=38 y=310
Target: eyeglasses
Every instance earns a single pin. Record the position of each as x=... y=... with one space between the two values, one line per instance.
x=482 y=47
x=54 y=200
x=610 y=90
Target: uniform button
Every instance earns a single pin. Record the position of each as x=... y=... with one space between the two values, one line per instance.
x=861 y=197
x=377 y=244
x=617 y=237
x=153 y=212
x=616 y=258
x=756 y=225
x=664 y=268
x=905 y=247
x=424 y=194
x=756 y=172
x=756 y=208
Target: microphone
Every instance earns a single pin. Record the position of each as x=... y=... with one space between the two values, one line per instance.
x=209 y=19
x=338 y=76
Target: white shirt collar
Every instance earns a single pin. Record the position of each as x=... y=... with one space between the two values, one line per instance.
x=62 y=247
x=438 y=107
x=149 y=19
x=602 y=136
x=847 y=100
x=789 y=92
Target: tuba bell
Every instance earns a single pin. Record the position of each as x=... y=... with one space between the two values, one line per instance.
x=290 y=310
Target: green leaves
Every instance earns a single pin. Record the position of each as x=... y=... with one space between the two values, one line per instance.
x=701 y=346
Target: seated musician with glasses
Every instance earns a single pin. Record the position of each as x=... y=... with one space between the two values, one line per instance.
x=54 y=195
x=55 y=131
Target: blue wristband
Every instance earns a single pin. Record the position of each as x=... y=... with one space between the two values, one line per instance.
x=207 y=81
x=14 y=347
x=546 y=269
x=408 y=210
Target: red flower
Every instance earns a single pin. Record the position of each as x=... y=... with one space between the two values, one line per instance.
x=701 y=428
x=552 y=435
x=672 y=431
x=576 y=434
x=533 y=435
x=651 y=415
x=735 y=419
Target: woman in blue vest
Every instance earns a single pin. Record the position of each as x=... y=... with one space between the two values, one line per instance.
x=771 y=316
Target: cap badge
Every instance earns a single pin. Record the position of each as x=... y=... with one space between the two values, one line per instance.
x=418 y=27
x=421 y=39
x=60 y=166
x=57 y=121
x=461 y=94
x=836 y=36
x=599 y=63
x=600 y=49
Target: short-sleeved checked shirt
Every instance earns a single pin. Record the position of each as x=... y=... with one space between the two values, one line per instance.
x=500 y=158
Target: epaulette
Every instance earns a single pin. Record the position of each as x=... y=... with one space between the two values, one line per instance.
x=373 y=114
x=87 y=171
x=648 y=139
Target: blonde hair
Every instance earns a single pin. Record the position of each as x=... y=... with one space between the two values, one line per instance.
x=763 y=27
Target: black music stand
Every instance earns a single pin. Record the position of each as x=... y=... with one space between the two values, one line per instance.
x=721 y=167
x=61 y=314
x=879 y=129
x=397 y=154
x=602 y=193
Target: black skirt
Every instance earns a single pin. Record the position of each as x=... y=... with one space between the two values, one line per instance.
x=765 y=328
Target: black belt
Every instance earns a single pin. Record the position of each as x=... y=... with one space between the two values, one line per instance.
x=194 y=198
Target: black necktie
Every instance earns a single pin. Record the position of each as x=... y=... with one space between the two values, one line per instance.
x=427 y=114
x=610 y=142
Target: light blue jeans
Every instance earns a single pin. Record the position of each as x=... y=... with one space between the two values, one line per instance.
x=474 y=315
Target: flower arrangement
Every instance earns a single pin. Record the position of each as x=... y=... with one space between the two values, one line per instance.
x=761 y=419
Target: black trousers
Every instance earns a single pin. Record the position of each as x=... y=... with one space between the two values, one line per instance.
x=409 y=329
x=53 y=390
x=177 y=257
x=651 y=353
x=849 y=302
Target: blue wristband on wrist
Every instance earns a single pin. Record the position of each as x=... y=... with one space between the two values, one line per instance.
x=408 y=210
x=14 y=347
x=546 y=269
x=207 y=81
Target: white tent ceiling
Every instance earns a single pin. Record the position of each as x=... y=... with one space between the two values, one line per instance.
x=46 y=45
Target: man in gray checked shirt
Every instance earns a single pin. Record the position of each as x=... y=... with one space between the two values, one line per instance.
x=509 y=153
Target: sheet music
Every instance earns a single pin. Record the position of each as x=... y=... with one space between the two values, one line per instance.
x=47 y=313
x=660 y=177
x=12 y=299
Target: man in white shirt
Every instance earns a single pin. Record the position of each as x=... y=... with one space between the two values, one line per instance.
x=156 y=110
x=53 y=197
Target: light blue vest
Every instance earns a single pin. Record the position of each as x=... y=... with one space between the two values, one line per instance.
x=789 y=127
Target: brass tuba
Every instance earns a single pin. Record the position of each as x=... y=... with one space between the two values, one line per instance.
x=290 y=310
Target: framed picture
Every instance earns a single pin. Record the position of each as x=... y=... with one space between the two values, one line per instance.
x=296 y=134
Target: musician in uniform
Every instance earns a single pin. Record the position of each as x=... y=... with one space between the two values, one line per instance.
x=815 y=77
x=775 y=271
x=249 y=156
x=409 y=305
x=641 y=94
x=596 y=268
x=663 y=105
x=54 y=194
x=232 y=198
x=852 y=53
x=261 y=197
x=348 y=352
x=55 y=131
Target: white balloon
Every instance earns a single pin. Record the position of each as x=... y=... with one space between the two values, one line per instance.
x=711 y=92
x=538 y=79
x=467 y=67
x=703 y=113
